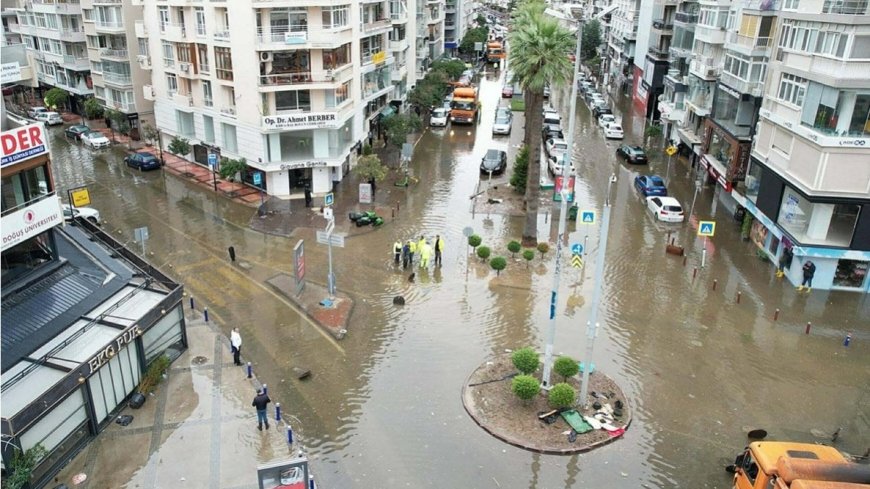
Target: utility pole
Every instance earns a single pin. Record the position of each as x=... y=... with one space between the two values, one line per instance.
x=563 y=213
x=592 y=323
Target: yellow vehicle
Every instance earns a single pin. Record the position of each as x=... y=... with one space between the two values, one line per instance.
x=494 y=52
x=463 y=108
x=785 y=465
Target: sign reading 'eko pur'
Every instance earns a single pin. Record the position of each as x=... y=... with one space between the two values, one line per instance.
x=311 y=120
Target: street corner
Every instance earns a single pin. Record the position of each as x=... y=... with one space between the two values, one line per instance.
x=331 y=314
x=534 y=425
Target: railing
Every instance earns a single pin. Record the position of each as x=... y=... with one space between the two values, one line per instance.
x=109 y=25
x=763 y=5
x=659 y=53
x=686 y=17
x=204 y=67
x=117 y=78
x=281 y=35
x=228 y=111
x=121 y=106
x=298 y=78
x=399 y=16
x=376 y=24
x=144 y=61
x=749 y=41
x=208 y=101
x=108 y=2
x=76 y=62
x=222 y=35
x=845 y=7
x=661 y=25
x=114 y=53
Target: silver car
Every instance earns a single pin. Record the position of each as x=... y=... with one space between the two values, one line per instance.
x=503 y=121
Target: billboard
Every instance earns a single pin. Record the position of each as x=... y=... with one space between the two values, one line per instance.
x=23 y=143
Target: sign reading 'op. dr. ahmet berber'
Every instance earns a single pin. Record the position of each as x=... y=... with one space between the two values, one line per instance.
x=301 y=121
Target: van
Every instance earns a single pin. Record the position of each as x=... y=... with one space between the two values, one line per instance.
x=49 y=118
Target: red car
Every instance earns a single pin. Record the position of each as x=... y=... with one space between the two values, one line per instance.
x=507 y=91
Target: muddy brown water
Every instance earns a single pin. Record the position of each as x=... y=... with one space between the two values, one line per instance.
x=383 y=408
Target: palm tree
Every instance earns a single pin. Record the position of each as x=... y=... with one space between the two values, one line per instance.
x=539 y=49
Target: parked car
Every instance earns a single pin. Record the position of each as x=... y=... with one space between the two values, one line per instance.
x=547 y=90
x=49 y=118
x=552 y=131
x=554 y=165
x=650 y=185
x=95 y=139
x=606 y=119
x=142 y=161
x=555 y=146
x=600 y=109
x=666 y=209
x=597 y=100
x=34 y=111
x=632 y=154
x=89 y=213
x=503 y=121
x=438 y=117
x=552 y=118
x=507 y=91
x=76 y=131
x=589 y=95
x=613 y=131
x=494 y=161
x=586 y=86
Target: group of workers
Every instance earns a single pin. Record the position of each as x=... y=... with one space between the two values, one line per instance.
x=404 y=253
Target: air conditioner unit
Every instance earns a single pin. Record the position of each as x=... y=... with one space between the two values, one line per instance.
x=266 y=56
x=185 y=67
x=711 y=72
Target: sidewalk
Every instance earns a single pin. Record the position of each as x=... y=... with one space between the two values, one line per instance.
x=197 y=429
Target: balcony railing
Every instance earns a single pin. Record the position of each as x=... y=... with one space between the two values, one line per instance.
x=686 y=17
x=749 y=41
x=75 y=62
x=117 y=79
x=293 y=34
x=114 y=53
x=658 y=53
x=101 y=24
x=845 y=7
x=298 y=78
x=222 y=35
x=376 y=24
x=662 y=26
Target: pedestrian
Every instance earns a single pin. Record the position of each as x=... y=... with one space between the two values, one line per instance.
x=439 y=247
x=425 y=251
x=371 y=138
x=236 y=345
x=420 y=244
x=809 y=270
x=372 y=183
x=260 y=402
x=412 y=248
x=784 y=261
x=307 y=196
x=397 y=251
x=406 y=255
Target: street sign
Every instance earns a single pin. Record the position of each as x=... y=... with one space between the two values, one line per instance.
x=707 y=228
x=80 y=197
x=329 y=199
x=365 y=193
x=671 y=150
x=407 y=151
x=587 y=217
x=576 y=249
x=558 y=183
x=258 y=178
x=335 y=239
x=327 y=214
x=576 y=261
x=468 y=231
x=212 y=161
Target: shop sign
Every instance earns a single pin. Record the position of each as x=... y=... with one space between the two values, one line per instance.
x=23 y=143
x=80 y=197
x=304 y=164
x=314 y=120
x=379 y=57
x=705 y=163
x=30 y=221
x=10 y=72
x=125 y=338
x=729 y=91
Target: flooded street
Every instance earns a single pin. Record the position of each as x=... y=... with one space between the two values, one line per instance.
x=383 y=408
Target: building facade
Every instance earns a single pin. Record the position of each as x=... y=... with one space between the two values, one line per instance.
x=621 y=42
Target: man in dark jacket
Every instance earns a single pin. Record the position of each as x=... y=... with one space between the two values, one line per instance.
x=809 y=270
x=260 y=403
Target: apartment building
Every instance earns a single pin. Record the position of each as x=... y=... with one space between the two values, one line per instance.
x=621 y=41
x=808 y=181
x=113 y=30
x=457 y=18
x=294 y=90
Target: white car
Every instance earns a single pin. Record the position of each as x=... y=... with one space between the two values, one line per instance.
x=554 y=164
x=666 y=209
x=606 y=119
x=552 y=117
x=49 y=118
x=88 y=213
x=439 y=117
x=503 y=120
x=96 y=140
x=33 y=112
x=613 y=131
x=556 y=147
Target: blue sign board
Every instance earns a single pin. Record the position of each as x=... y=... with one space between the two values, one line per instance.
x=587 y=217
x=706 y=228
x=329 y=199
x=212 y=161
x=576 y=249
x=258 y=179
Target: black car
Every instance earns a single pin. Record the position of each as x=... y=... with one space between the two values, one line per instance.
x=551 y=131
x=142 y=161
x=600 y=109
x=76 y=131
x=495 y=161
x=632 y=154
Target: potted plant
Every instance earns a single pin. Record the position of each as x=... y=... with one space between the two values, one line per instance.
x=152 y=377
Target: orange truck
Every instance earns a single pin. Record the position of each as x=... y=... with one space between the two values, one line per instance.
x=786 y=465
x=463 y=108
x=494 y=52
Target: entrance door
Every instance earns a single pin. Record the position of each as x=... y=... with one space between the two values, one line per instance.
x=299 y=179
x=111 y=384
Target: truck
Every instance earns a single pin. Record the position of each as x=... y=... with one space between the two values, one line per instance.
x=789 y=465
x=464 y=107
x=494 y=52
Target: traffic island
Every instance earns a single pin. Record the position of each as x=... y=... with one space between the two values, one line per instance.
x=332 y=316
x=534 y=425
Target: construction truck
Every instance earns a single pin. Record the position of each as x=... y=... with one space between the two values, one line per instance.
x=786 y=465
x=494 y=52
x=464 y=107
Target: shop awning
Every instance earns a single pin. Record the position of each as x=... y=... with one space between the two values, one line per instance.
x=716 y=169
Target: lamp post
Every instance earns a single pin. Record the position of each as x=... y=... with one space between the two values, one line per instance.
x=563 y=215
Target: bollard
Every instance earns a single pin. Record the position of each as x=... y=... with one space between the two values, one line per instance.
x=250 y=370
x=191 y=304
x=232 y=251
x=809 y=325
x=776 y=315
x=738 y=297
x=847 y=339
x=684 y=259
x=311 y=484
x=715 y=283
x=277 y=411
x=265 y=389
x=205 y=314
x=393 y=213
x=289 y=435
x=694 y=273
x=397 y=206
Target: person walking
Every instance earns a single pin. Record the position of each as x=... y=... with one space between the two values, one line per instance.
x=439 y=247
x=236 y=345
x=406 y=255
x=397 y=251
x=412 y=249
x=307 y=196
x=809 y=270
x=260 y=402
x=425 y=251
x=784 y=262
x=420 y=244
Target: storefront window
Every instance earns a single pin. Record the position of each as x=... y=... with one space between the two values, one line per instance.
x=720 y=148
x=27 y=256
x=758 y=234
x=851 y=273
x=753 y=181
x=817 y=222
x=24 y=187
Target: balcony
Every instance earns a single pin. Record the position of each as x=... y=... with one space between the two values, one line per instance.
x=121 y=106
x=108 y=2
x=148 y=92
x=186 y=70
x=109 y=27
x=679 y=52
x=748 y=44
x=56 y=7
x=755 y=88
x=842 y=73
x=377 y=25
x=663 y=27
x=140 y=29
x=399 y=17
x=273 y=40
x=228 y=111
x=399 y=45
x=309 y=79
x=76 y=64
x=658 y=53
x=686 y=18
x=709 y=34
x=222 y=35
x=116 y=54
x=769 y=6
x=174 y=32
x=117 y=79
x=704 y=68
x=182 y=100
x=630 y=35
x=144 y=62
x=845 y=7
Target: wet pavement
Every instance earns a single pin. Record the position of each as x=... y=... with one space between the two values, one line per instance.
x=383 y=408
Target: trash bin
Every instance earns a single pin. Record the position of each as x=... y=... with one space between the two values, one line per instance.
x=572 y=212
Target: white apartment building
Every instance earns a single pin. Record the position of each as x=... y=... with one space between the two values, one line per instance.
x=294 y=90
x=621 y=41
x=114 y=31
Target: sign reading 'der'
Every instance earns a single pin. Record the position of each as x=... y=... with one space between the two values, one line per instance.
x=23 y=143
x=315 y=120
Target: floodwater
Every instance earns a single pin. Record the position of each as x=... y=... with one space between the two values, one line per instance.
x=383 y=408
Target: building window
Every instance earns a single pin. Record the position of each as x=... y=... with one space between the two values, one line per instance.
x=818 y=223
x=792 y=89
x=184 y=123
x=335 y=17
x=229 y=135
x=791 y=4
x=164 y=18
x=143 y=47
x=24 y=188
x=207 y=96
x=753 y=181
x=851 y=273
x=223 y=63
x=168 y=54
x=782 y=141
x=171 y=84
x=200 y=21
x=860 y=47
x=27 y=256
x=202 y=55
x=336 y=58
x=293 y=100
x=335 y=98
x=208 y=128
x=184 y=52
x=96 y=67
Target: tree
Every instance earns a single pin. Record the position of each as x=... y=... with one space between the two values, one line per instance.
x=521 y=170
x=149 y=133
x=117 y=122
x=179 y=146
x=229 y=167
x=472 y=36
x=539 y=47
x=453 y=68
x=514 y=247
x=56 y=97
x=543 y=248
x=591 y=39
x=429 y=92
x=483 y=252
x=566 y=367
x=370 y=168
x=399 y=126
x=526 y=360
x=22 y=465
x=474 y=241
x=525 y=387
x=93 y=108
x=528 y=255
x=480 y=20
x=562 y=396
x=498 y=264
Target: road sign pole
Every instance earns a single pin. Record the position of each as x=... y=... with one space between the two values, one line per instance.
x=668 y=173
x=704 y=253
x=330 y=279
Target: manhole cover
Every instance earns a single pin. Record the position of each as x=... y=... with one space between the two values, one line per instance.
x=199 y=360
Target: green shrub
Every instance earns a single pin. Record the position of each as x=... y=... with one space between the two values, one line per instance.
x=483 y=252
x=514 y=247
x=562 y=396
x=528 y=255
x=22 y=465
x=525 y=387
x=543 y=248
x=521 y=170
x=566 y=367
x=474 y=241
x=154 y=374
x=526 y=360
x=498 y=264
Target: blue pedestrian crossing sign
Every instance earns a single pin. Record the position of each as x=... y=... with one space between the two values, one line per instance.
x=212 y=161
x=258 y=178
x=576 y=249
x=587 y=217
x=329 y=199
x=707 y=228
